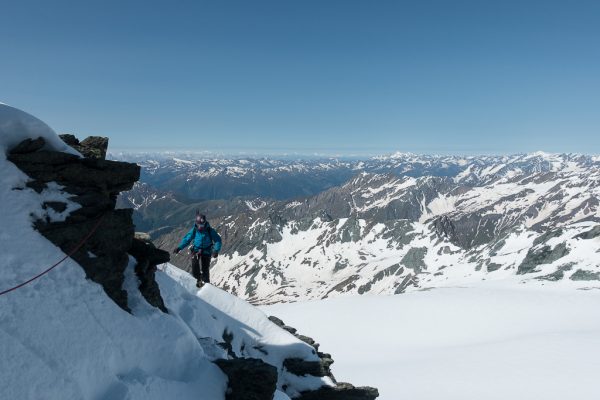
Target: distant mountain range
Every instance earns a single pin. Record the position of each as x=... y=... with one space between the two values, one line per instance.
x=200 y=177
x=314 y=228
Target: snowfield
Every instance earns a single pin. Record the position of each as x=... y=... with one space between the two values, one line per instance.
x=490 y=341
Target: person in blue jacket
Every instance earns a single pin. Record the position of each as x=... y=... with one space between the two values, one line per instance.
x=206 y=243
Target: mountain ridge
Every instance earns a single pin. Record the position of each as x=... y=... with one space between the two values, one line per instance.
x=196 y=179
x=434 y=224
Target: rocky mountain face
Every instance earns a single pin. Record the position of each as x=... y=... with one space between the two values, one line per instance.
x=93 y=184
x=529 y=218
x=106 y=239
x=341 y=390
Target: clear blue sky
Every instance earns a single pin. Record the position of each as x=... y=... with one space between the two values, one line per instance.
x=375 y=76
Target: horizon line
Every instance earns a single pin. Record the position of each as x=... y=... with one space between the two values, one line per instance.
x=332 y=153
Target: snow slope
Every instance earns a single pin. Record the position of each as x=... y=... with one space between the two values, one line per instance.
x=492 y=342
x=16 y=125
x=62 y=338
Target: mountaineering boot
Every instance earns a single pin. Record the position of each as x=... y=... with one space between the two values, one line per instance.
x=199 y=283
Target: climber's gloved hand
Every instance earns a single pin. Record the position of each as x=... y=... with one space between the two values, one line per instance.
x=215 y=255
x=176 y=250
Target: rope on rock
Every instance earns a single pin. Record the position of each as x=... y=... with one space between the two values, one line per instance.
x=75 y=249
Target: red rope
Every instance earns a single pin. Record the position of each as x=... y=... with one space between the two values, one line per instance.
x=85 y=239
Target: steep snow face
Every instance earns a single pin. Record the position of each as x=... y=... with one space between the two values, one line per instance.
x=493 y=342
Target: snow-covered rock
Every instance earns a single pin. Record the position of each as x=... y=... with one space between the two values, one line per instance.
x=62 y=337
x=16 y=125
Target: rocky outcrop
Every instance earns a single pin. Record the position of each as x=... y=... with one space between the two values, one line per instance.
x=92 y=183
x=300 y=367
x=148 y=257
x=592 y=233
x=583 y=275
x=88 y=217
x=350 y=231
x=414 y=259
x=296 y=366
x=444 y=227
x=342 y=391
x=90 y=147
x=556 y=275
x=249 y=379
x=543 y=255
x=468 y=231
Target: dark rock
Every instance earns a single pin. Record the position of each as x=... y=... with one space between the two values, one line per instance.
x=300 y=367
x=249 y=379
x=289 y=329
x=308 y=340
x=350 y=230
x=36 y=161
x=469 y=230
x=547 y=236
x=94 y=147
x=28 y=146
x=148 y=257
x=344 y=286
x=37 y=186
x=94 y=184
x=276 y=321
x=493 y=267
x=582 y=275
x=90 y=147
x=592 y=233
x=57 y=206
x=70 y=170
x=408 y=280
x=108 y=245
x=69 y=139
x=227 y=343
x=556 y=275
x=340 y=265
x=342 y=391
x=145 y=249
x=277 y=219
x=444 y=227
x=395 y=269
x=545 y=255
x=414 y=259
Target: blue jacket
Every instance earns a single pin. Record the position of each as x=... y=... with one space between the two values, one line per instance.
x=206 y=240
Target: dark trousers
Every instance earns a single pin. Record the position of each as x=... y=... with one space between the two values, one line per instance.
x=203 y=259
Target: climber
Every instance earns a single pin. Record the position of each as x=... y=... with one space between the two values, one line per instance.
x=206 y=243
